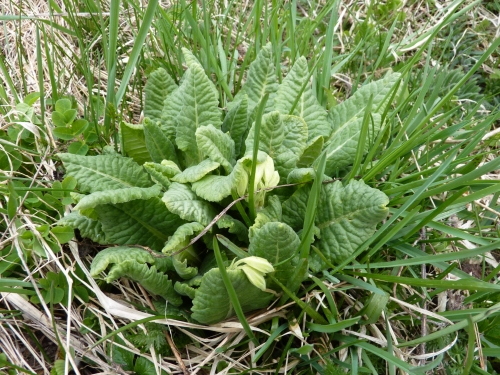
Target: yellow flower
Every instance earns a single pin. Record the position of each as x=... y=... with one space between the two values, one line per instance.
x=255 y=268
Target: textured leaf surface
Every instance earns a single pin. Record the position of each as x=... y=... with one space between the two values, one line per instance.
x=294 y=208
x=157 y=88
x=236 y=124
x=341 y=149
x=312 y=151
x=283 y=138
x=89 y=228
x=182 y=235
x=212 y=304
x=184 y=202
x=172 y=107
x=159 y=146
x=159 y=173
x=234 y=226
x=261 y=80
x=104 y=172
x=196 y=172
x=134 y=142
x=270 y=213
x=215 y=188
x=307 y=107
x=347 y=120
x=132 y=265
x=117 y=255
x=272 y=135
x=184 y=270
x=200 y=109
x=117 y=196
x=216 y=145
x=144 y=222
x=301 y=175
x=277 y=242
x=347 y=216
x=184 y=289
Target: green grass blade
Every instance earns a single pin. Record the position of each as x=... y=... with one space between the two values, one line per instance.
x=232 y=293
x=312 y=205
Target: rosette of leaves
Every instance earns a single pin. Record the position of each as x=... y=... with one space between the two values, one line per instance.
x=189 y=159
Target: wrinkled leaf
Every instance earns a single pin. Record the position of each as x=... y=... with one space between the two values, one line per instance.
x=134 y=142
x=196 y=172
x=104 y=172
x=216 y=145
x=212 y=304
x=183 y=202
x=307 y=107
x=144 y=222
x=117 y=196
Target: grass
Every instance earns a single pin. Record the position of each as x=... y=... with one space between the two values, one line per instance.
x=421 y=296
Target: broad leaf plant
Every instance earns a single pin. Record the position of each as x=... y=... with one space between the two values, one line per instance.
x=189 y=160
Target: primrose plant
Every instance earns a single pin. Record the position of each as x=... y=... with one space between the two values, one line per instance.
x=186 y=163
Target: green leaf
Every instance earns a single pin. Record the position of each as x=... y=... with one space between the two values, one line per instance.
x=157 y=143
x=104 y=172
x=184 y=289
x=159 y=173
x=216 y=145
x=190 y=58
x=143 y=366
x=117 y=196
x=277 y=242
x=144 y=222
x=183 y=202
x=64 y=234
x=272 y=135
x=215 y=188
x=347 y=120
x=78 y=148
x=212 y=304
x=236 y=123
x=312 y=151
x=196 y=172
x=234 y=226
x=294 y=208
x=261 y=80
x=157 y=88
x=341 y=148
x=58 y=120
x=346 y=217
x=63 y=105
x=181 y=237
x=70 y=116
x=283 y=138
x=183 y=270
x=270 y=213
x=307 y=107
x=301 y=175
x=293 y=145
x=134 y=142
x=172 y=107
x=200 y=108
x=118 y=255
x=71 y=131
x=131 y=263
x=89 y=228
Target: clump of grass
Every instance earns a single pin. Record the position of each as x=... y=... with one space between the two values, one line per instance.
x=425 y=286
